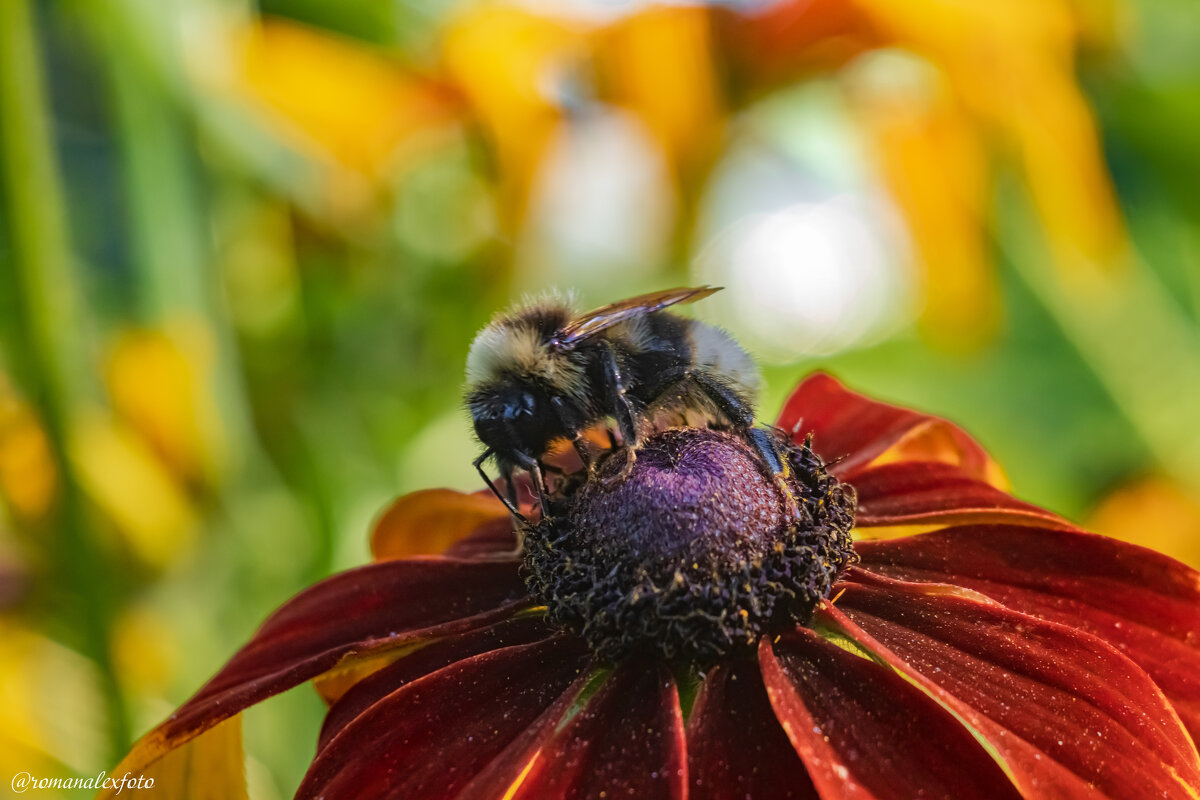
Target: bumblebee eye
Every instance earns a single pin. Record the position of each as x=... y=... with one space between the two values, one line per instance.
x=527 y=403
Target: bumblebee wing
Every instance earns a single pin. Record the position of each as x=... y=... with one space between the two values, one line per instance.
x=597 y=320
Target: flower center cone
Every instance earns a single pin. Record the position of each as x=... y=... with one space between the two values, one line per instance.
x=691 y=551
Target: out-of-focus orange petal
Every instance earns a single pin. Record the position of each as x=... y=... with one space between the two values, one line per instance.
x=513 y=66
x=1154 y=513
x=659 y=63
x=28 y=477
x=160 y=384
x=430 y=520
x=783 y=39
x=352 y=102
x=1064 y=167
x=209 y=767
x=934 y=166
x=1012 y=65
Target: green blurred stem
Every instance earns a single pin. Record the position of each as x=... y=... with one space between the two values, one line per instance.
x=49 y=318
x=1133 y=336
x=170 y=255
x=156 y=119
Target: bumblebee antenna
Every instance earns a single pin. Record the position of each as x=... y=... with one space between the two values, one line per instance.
x=512 y=508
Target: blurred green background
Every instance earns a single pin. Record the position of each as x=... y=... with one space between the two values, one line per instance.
x=244 y=248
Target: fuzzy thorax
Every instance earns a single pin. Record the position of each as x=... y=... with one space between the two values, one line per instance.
x=689 y=554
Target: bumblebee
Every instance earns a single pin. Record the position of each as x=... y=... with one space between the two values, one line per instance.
x=542 y=372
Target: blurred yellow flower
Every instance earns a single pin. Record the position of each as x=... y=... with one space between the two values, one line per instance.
x=51 y=708
x=1154 y=512
x=28 y=478
x=1011 y=66
x=516 y=69
x=942 y=88
x=145 y=657
x=354 y=104
x=660 y=64
x=935 y=165
x=124 y=478
x=138 y=463
x=160 y=383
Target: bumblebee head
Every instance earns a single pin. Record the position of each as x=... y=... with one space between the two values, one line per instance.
x=512 y=417
x=514 y=374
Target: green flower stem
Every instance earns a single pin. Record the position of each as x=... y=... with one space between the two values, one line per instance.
x=46 y=324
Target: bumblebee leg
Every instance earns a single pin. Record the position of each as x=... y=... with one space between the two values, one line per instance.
x=776 y=466
x=510 y=502
x=732 y=405
x=740 y=414
x=510 y=486
x=558 y=472
x=584 y=454
x=572 y=421
x=534 y=468
x=614 y=386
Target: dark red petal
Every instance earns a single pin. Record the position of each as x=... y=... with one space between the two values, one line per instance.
x=430 y=658
x=1143 y=603
x=864 y=732
x=431 y=520
x=736 y=746
x=628 y=741
x=1066 y=712
x=488 y=539
x=914 y=492
x=429 y=738
x=368 y=608
x=855 y=429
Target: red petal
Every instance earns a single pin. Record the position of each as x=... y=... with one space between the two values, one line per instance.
x=864 y=732
x=376 y=606
x=736 y=747
x=1066 y=712
x=914 y=492
x=856 y=429
x=431 y=520
x=1142 y=602
x=430 y=737
x=497 y=537
x=430 y=658
x=628 y=741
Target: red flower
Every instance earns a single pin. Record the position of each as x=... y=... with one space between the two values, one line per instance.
x=979 y=647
